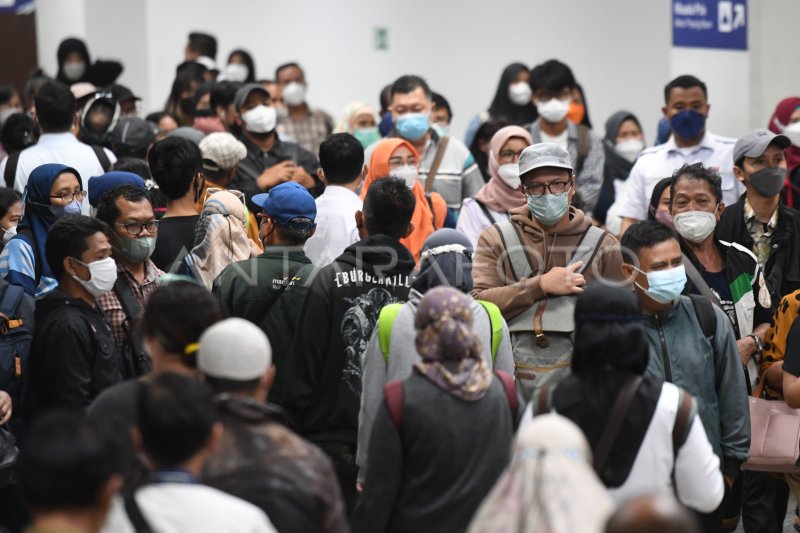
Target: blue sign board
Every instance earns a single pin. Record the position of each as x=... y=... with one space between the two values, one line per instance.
x=18 y=7
x=710 y=24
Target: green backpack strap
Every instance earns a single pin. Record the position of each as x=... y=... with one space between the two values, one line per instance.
x=385 y=322
x=496 y=321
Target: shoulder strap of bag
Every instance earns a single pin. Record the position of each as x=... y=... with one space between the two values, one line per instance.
x=520 y=266
x=583 y=147
x=433 y=213
x=102 y=157
x=510 y=389
x=273 y=299
x=588 y=246
x=435 y=166
x=135 y=515
x=393 y=394
x=683 y=421
x=543 y=405
x=705 y=315
x=485 y=210
x=618 y=412
x=496 y=322
x=130 y=306
x=10 y=174
x=12 y=296
x=385 y=322
x=698 y=281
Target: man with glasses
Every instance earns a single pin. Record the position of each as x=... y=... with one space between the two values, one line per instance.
x=129 y=212
x=534 y=266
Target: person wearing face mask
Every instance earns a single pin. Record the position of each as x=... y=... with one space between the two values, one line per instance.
x=73 y=354
x=511 y=102
x=534 y=265
x=446 y=160
x=75 y=65
x=270 y=160
x=707 y=366
x=10 y=213
x=553 y=87
x=659 y=209
x=397 y=158
x=240 y=68
x=359 y=120
x=686 y=108
x=786 y=120
x=501 y=194
x=53 y=191
x=306 y=126
x=623 y=142
x=441 y=115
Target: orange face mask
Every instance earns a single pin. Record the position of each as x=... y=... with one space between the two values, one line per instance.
x=576 y=112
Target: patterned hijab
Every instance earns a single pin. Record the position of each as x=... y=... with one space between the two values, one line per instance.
x=449 y=347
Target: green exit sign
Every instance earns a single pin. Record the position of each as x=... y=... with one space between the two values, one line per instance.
x=381 y=38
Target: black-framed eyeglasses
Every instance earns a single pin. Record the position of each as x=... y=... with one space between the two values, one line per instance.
x=538 y=189
x=136 y=228
x=69 y=197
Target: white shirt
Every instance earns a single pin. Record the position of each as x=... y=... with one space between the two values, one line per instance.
x=182 y=507
x=661 y=161
x=562 y=139
x=61 y=148
x=336 y=225
x=472 y=220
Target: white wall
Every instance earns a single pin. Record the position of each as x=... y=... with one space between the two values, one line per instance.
x=620 y=50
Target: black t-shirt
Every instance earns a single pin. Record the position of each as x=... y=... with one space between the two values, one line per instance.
x=718 y=283
x=791 y=358
x=174 y=242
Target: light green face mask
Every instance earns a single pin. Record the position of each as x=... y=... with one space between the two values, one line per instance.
x=548 y=209
x=136 y=250
x=367 y=136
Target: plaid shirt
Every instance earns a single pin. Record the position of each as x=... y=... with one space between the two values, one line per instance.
x=761 y=233
x=111 y=306
x=308 y=132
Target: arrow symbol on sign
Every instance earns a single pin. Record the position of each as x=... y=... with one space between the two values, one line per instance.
x=738 y=19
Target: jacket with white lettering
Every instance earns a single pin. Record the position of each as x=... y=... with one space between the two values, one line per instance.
x=323 y=390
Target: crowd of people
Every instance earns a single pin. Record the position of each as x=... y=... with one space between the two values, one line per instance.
x=238 y=314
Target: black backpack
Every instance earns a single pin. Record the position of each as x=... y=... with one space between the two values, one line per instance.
x=16 y=335
x=135 y=361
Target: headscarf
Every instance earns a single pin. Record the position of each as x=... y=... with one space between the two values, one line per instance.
x=496 y=195
x=220 y=237
x=549 y=487
x=67 y=47
x=502 y=107
x=446 y=260
x=36 y=214
x=616 y=166
x=449 y=348
x=610 y=347
x=349 y=114
x=779 y=120
x=422 y=217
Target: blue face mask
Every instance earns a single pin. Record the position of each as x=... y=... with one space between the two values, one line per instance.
x=413 y=126
x=548 y=209
x=367 y=136
x=688 y=124
x=665 y=285
x=73 y=208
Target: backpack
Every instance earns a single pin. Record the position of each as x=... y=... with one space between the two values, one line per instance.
x=135 y=361
x=10 y=174
x=16 y=336
x=389 y=313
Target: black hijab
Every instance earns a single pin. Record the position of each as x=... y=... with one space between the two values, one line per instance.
x=446 y=259
x=616 y=166
x=100 y=73
x=503 y=108
x=610 y=346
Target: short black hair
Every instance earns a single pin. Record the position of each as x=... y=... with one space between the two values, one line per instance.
x=7 y=91
x=176 y=417
x=697 y=172
x=388 y=207
x=135 y=165
x=410 y=83
x=341 y=157
x=203 y=44
x=174 y=163
x=55 y=107
x=232 y=386
x=8 y=197
x=107 y=208
x=552 y=75
x=18 y=132
x=66 y=461
x=223 y=94
x=67 y=238
x=291 y=64
x=440 y=102
x=644 y=234
x=685 y=81
x=293 y=235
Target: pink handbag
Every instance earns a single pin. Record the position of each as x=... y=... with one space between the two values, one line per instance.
x=774 y=435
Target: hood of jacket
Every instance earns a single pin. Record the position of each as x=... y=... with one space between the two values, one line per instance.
x=378 y=252
x=575 y=224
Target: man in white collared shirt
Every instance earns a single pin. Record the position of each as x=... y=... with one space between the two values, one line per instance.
x=56 y=114
x=341 y=159
x=686 y=110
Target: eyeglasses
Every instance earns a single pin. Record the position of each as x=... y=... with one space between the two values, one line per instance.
x=135 y=228
x=538 y=189
x=510 y=155
x=69 y=197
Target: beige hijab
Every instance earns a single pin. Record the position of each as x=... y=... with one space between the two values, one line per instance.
x=220 y=237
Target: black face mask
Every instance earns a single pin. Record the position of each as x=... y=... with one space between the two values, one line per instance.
x=768 y=181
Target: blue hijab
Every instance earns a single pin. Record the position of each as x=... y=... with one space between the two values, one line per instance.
x=36 y=215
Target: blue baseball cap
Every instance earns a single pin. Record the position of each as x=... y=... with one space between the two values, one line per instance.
x=287 y=203
x=99 y=185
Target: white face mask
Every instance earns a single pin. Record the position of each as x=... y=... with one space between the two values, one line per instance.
x=695 y=226
x=509 y=173
x=103 y=276
x=406 y=173
x=793 y=132
x=553 y=110
x=629 y=149
x=519 y=93
x=9 y=233
x=236 y=72
x=294 y=94
x=74 y=71
x=260 y=119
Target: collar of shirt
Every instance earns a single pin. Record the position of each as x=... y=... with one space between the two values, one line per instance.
x=706 y=143
x=338 y=191
x=56 y=138
x=277 y=149
x=173 y=476
x=151 y=273
x=750 y=218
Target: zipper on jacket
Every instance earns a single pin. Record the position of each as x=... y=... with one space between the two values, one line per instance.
x=664 y=351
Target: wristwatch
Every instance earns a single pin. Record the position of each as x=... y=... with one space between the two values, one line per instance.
x=759 y=344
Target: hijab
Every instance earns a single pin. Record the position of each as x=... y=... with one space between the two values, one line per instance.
x=496 y=195
x=36 y=214
x=502 y=107
x=779 y=120
x=449 y=348
x=422 y=217
x=220 y=237
x=353 y=110
x=446 y=260
x=655 y=198
x=549 y=487
x=67 y=47
x=616 y=166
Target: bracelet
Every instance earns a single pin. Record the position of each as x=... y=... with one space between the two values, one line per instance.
x=757 y=340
